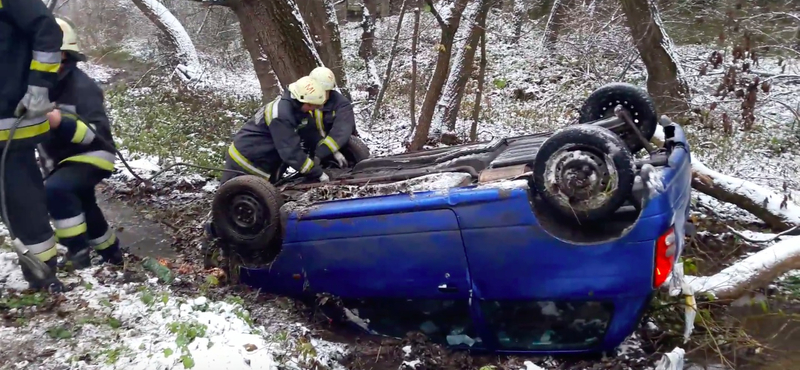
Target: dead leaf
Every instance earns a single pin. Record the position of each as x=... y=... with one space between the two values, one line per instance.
x=250 y=347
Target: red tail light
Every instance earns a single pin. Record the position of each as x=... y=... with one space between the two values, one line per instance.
x=665 y=257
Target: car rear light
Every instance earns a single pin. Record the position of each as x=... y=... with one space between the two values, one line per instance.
x=665 y=257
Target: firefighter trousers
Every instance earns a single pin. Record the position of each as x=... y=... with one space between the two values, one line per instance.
x=71 y=200
x=26 y=203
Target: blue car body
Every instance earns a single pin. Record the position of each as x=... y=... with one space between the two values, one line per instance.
x=481 y=248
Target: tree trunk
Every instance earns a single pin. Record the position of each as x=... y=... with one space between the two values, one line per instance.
x=664 y=75
x=320 y=16
x=282 y=35
x=476 y=110
x=266 y=76
x=520 y=11
x=393 y=54
x=412 y=98
x=367 y=49
x=462 y=69
x=555 y=23
x=189 y=66
x=449 y=27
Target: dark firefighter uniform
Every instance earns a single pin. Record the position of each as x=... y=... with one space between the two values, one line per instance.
x=332 y=126
x=78 y=159
x=30 y=43
x=269 y=139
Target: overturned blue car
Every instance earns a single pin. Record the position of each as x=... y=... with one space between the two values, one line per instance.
x=545 y=243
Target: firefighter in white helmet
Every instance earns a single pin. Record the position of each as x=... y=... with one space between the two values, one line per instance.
x=77 y=157
x=270 y=137
x=333 y=123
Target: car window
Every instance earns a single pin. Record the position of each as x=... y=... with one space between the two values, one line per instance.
x=547 y=325
x=446 y=322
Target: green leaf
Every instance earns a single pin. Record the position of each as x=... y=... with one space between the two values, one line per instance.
x=426 y=7
x=188 y=361
x=500 y=83
x=167 y=352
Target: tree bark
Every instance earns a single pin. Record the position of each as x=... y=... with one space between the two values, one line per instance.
x=266 y=76
x=320 y=16
x=389 y=64
x=463 y=66
x=367 y=49
x=282 y=36
x=412 y=98
x=520 y=10
x=664 y=75
x=476 y=110
x=448 y=33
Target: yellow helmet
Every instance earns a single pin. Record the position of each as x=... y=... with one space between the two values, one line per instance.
x=307 y=90
x=70 y=40
x=325 y=77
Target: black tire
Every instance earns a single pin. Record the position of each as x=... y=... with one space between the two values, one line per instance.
x=593 y=148
x=250 y=234
x=600 y=104
x=356 y=150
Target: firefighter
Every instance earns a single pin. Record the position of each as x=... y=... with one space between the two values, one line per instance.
x=333 y=124
x=30 y=40
x=270 y=138
x=77 y=159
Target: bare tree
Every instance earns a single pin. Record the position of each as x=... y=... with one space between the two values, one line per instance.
x=280 y=32
x=448 y=27
x=476 y=110
x=461 y=69
x=320 y=16
x=555 y=22
x=367 y=49
x=520 y=11
x=188 y=67
x=392 y=55
x=413 y=91
x=664 y=75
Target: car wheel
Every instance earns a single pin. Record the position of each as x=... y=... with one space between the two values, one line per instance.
x=356 y=150
x=246 y=216
x=585 y=172
x=601 y=103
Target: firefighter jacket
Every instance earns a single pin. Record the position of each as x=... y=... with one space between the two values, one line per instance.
x=30 y=49
x=81 y=102
x=333 y=125
x=271 y=137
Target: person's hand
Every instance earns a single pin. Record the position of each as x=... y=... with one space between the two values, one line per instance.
x=55 y=118
x=340 y=160
x=35 y=103
x=324 y=177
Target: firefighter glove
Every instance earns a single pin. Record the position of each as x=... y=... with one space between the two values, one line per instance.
x=340 y=159
x=35 y=103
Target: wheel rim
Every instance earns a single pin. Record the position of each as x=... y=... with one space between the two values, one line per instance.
x=580 y=178
x=625 y=133
x=247 y=214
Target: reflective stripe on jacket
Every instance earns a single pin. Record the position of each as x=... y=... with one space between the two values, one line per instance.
x=80 y=98
x=30 y=44
x=333 y=125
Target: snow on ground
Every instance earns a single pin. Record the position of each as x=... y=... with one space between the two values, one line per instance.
x=106 y=323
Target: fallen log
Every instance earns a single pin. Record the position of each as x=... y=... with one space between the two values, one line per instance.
x=756 y=271
x=776 y=210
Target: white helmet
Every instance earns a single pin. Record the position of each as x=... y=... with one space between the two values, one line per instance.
x=325 y=77
x=70 y=40
x=307 y=90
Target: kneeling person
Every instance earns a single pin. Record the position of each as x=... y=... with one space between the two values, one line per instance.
x=270 y=138
x=77 y=160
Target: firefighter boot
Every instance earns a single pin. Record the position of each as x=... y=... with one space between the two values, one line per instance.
x=41 y=275
x=111 y=255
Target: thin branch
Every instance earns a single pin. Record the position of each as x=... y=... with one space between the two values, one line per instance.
x=752 y=240
x=436 y=14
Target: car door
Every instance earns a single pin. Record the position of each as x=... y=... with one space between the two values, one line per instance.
x=400 y=272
